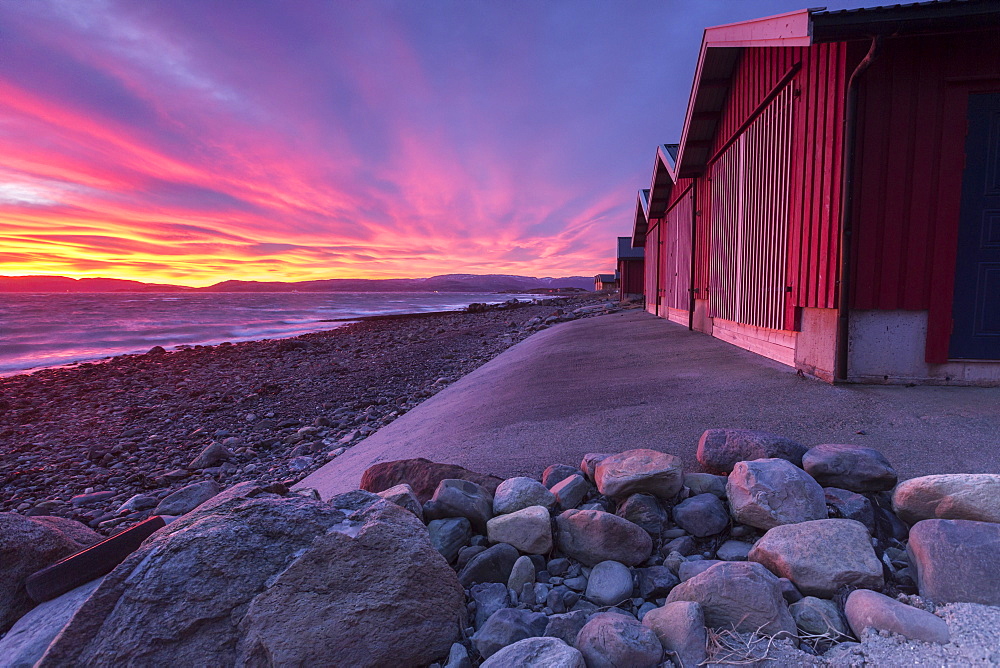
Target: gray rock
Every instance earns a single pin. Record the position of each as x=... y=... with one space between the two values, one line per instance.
x=702 y=515
x=689 y=569
x=528 y=529
x=461 y=498
x=850 y=506
x=466 y=554
x=556 y=473
x=449 y=535
x=851 y=467
x=404 y=497
x=558 y=567
x=506 y=627
x=578 y=583
x=515 y=494
x=458 y=657
x=954 y=496
x=789 y=591
x=706 y=483
x=610 y=583
x=590 y=461
x=720 y=449
x=680 y=628
x=28 y=545
x=521 y=574
x=655 y=582
x=566 y=626
x=766 y=493
x=733 y=550
x=610 y=640
x=821 y=556
x=489 y=597
x=867 y=609
x=593 y=536
x=819 y=616
x=561 y=599
x=251 y=574
x=570 y=492
x=493 y=564
x=83 y=500
x=645 y=510
x=956 y=560
x=31 y=635
x=683 y=545
x=214 y=454
x=639 y=471
x=738 y=595
x=355 y=502
x=536 y=653
x=422 y=475
x=138 y=503
x=187 y=498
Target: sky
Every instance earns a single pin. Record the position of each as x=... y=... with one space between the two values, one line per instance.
x=190 y=142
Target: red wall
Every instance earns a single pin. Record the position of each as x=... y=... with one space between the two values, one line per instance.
x=632 y=277
x=814 y=193
x=908 y=174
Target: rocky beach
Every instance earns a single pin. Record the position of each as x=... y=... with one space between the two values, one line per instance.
x=104 y=443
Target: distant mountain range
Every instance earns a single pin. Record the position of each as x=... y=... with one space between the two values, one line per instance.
x=445 y=283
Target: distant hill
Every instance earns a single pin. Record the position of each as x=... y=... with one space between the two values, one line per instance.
x=445 y=283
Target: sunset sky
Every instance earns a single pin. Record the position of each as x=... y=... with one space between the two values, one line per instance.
x=191 y=142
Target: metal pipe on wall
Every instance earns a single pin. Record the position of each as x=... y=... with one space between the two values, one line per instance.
x=846 y=206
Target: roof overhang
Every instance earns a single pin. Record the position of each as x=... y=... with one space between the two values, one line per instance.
x=641 y=224
x=663 y=180
x=721 y=47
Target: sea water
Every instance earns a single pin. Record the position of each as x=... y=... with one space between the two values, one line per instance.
x=50 y=329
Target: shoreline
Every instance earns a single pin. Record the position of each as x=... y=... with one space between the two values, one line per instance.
x=325 y=324
x=132 y=424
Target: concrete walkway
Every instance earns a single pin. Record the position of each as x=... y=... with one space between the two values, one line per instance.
x=631 y=380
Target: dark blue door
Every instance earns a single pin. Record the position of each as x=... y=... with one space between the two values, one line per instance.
x=976 y=312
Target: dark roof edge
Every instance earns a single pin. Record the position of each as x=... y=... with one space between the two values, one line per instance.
x=937 y=17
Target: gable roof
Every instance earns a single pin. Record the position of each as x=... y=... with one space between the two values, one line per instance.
x=721 y=47
x=641 y=224
x=627 y=252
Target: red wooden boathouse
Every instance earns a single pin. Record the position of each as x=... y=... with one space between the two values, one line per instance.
x=630 y=270
x=834 y=201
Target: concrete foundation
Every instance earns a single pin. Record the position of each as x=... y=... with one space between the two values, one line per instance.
x=816 y=344
x=887 y=347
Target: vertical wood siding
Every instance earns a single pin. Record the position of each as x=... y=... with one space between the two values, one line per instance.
x=652 y=289
x=677 y=248
x=749 y=242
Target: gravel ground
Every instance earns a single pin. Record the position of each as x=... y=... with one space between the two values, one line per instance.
x=975 y=641
x=285 y=407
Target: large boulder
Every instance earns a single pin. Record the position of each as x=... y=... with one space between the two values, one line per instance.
x=720 y=449
x=952 y=496
x=610 y=583
x=255 y=577
x=956 y=560
x=738 y=595
x=647 y=511
x=819 y=617
x=766 y=493
x=866 y=609
x=449 y=535
x=29 y=544
x=592 y=536
x=214 y=453
x=702 y=515
x=821 y=556
x=515 y=494
x=422 y=475
x=850 y=467
x=639 y=471
x=536 y=653
x=505 y=627
x=609 y=640
x=680 y=628
x=840 y=503
x=187 y=498
x=461 y=498
x=493 y=564
x=528 y=529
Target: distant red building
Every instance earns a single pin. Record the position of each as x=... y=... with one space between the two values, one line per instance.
x=630 y=270
x=834 y=201
x=606 y=282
